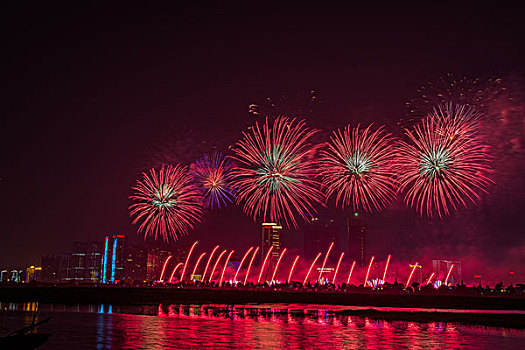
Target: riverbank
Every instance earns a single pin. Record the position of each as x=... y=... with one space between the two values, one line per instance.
x=156 y=295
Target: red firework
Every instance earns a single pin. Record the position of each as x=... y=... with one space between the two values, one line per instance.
x=357 y=165
x=166 y=203
x=444 y=165
x=275 y=176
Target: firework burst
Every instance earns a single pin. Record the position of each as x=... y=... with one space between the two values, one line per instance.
x=212 y=177
x=166 y=204
x=357 y=165
x=275 y=176
x=443 y=166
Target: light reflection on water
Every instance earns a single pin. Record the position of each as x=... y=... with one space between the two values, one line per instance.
x=244 y=327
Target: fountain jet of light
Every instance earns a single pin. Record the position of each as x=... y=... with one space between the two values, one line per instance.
x=187 y=259
x=197 y=264
x=216 y=263
x=277 y=265
x=448 y=274
x=311 y=267
x=173 y=273
x=225 y=265
x=350 y=273
x=368 y=270
x=242 y=262
x=250 y=265
x=430 y=278
x=208 y=263
x=161 y=279
x=386 y=268
x=411 y=273
x=337 y=267
x=325 y=259
x=292 y=268
x=264 y=263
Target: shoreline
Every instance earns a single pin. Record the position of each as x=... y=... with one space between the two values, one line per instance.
x=155 y=295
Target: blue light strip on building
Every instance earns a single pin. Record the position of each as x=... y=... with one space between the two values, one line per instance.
x=113 y=259
x=105 y=261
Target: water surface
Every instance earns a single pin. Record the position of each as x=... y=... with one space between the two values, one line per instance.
x=244 y=327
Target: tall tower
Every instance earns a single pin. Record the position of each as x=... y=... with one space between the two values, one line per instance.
x=114 y=258
x=271 y=236
x=357 y=238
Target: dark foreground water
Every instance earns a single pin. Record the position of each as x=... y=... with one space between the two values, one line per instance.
x=244 y=327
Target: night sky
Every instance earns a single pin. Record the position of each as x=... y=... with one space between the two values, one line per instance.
x=95 y=96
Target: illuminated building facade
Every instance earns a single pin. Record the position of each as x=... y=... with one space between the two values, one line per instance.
x=156 y=257
x=271 y=236
x=442 y=267
x=83 y=264
x=136 y=263
x=114 y=259
x=32 y=274
x=4 y=276
x=357 y=238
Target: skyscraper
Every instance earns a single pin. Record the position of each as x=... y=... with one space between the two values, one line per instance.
x=357 y=238
x=114 y=258
x=136 y=263
x=271 y=236
x=84 y=262
x=318 y=233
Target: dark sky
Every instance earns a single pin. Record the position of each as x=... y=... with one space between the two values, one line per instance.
x=94 y=96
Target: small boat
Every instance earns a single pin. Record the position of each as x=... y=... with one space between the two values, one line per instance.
x=24 y=338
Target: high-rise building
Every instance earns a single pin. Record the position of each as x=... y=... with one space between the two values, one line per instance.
x=318 y=233
x=357 y=238
x=84 y=262
x=156 y=257
x=271 y=236
x=113 y=259
x=136 y=263
x=53 y=268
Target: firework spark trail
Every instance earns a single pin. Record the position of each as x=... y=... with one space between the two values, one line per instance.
x=173 y=273
x=275 y=178
x=250 y=265
x=164 y=269
x=368 y=270
x=337 y=267
x=212 y=176
x=442 y=167
x=311 y=267
x=448 y=274
x=386 y=267
x=197 y=264
x=292 y=268
x=325 y=259
x=216 y=263
x=187 y=259
x=350 y=273
x=357 y=165
x=225 y=266
x=166 y=203
x=277 y=265
x=242 y=262
x=430 y=278
x=411 y=273
x=264 y=263
x=208 y=263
